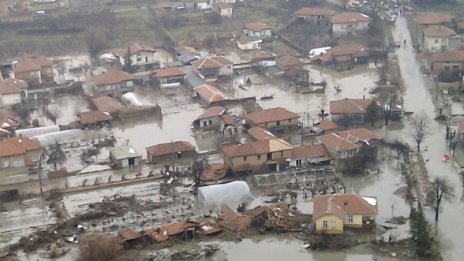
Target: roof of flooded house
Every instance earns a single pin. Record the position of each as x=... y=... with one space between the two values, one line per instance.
x=32 y=64
x=18 y=145
x=257 y=26
x=215 y=111
x=349 y=106
x=313 y=151
x=314 y=11
x=107 y=104
x=168 y=72
x=91 y=117
x=232 y=220
x=270 y=115
x=211 y=63
x=341 y=205
x=256 y=147
x=327 y=125
x=349 y=17
x=133 y=49
x=360 y=134
x=111 y=77
x=325 y=205
x=430 y=19
x=448 y=56
x=227 y=119
x=351 y=49
x=123 y=152
x=214 y=171
x=337 y=143
x=259 y=133
x=175 y=228
x=8 y=119
x=438 y=31
x=288 y=61
x=248 y=39
x=169 y=148
x=210 y=93
x=12 y=86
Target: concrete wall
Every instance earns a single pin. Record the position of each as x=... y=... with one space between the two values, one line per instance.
x=334 y=225
x=208 y=122
x=435 y=44
x=349 y=27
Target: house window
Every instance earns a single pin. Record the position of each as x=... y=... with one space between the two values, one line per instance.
x=258 y=157
x=130 y=84
x=269 y=156
x=210 y=122
x=245 y=158
x=229 y=66
x=298 y=163
x=290 y=120
x=278 y=123
x=325 y=224
x=6 y=163
x=334 y=225
x=433 y=49
x=139 y=59
x=455 y=67
x=436 y=40
x=350 y=219
x=35 y=157
x=179 y=155
x=447 y=68
x=281 y=154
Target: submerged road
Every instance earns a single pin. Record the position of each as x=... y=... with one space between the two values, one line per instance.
x=418 y=99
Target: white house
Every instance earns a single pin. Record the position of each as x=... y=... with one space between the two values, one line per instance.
x=249 y=43
x=225 y=10
x=203 y=4
x=258 y=29
x=140 y=55
x=12 y=91
x=436 y=38
x=349 y=22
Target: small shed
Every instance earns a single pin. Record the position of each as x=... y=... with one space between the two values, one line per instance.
x=124 y=156
x=94 y=119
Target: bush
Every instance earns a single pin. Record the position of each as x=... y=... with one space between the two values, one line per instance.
x=98 y=247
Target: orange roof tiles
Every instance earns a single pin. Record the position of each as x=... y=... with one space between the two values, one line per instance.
x=349 y=106
x=168 y=72
x=111 y=77
x=438 y=31
x=306 y=152
x=448 y=56
x=349 y=17
x=314 y=11
x=341 y=205
x=169 y=148
x=211 y=63
x=18 y=145
x=91 y=117
x=336 y=142
x=327 y=125
x=215 y=111
x=210 y=93
x=270 y=115
x=430 y=19
x=259 y=133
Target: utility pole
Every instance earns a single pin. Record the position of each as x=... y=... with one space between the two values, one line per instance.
x=40 y=174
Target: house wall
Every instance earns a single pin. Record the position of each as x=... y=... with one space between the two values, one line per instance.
x=143 y=58
x=256 y=162
x=170 y=157
x=115 y=88
x=334 y=225
x=347 y=153
x=435 y=44
x=208 y=122
x=356 y=221
x=261 y=34
x=227 y=12
x=349 y=27
x=13 y=161
x=351 y=118
x=47 y=74
x=170 y=81
x=10 y=99
x=284 y=123
x=32 y=78
x=32 y=158
x=446 y=66
x=203 y=6
x=249 y=46
x=226 y=69
x=317 y=20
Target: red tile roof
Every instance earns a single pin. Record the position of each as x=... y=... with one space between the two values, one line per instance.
x=211 y=63
x=314 y=11
x=255 y=148
x=168 y=72
x=107 y=104
x=336 y=143
x=228 y=119
x=259 y=133
x=8 y=120
x=430 y=19
x=288 y=61
x=270 y=115
x=18 y=145
x=111 y=77
x=448 y=56
x=92 y=117
x=360 y=134
x=341 y=205
x=349 y=17
x=32 y=64
x=210 y=93
x=327 y=125
x=215 y=111
x=438 y=31
x=307 y=152
x=169 y=148
x=12 y=86
x=257 y=26
x=349 y=106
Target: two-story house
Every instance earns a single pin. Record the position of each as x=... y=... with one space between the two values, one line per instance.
x=349 y=111
x=332 y=213
x=436 y=38
x=211 y=68
x=19 y=152
x=34 y=71
x=275 y=119
x=255 y=156
x=112 y=82
x=315 y=15
x=258 y=29
x=447 y=61
x=12 y=91
x=141 y=56
x=349 y=22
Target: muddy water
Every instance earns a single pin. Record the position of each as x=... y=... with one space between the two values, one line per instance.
x=417 y=99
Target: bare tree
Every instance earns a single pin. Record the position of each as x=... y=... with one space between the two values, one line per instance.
x=388 y=106
x=419 y=130
x=372 y=112
x=198 y=167
x=56 y=156
x=441 y=189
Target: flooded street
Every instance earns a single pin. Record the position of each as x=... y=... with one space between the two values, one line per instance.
x=418 y=99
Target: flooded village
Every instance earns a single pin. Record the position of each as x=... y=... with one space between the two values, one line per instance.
x=231 y=130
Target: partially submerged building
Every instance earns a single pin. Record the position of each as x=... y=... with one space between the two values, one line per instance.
x=168 y=77
x=211 y=117
x=170 y=151
x=113 y=82
x=275 y=119
x=124 y=156
x=94 y=119
x=19 y=152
